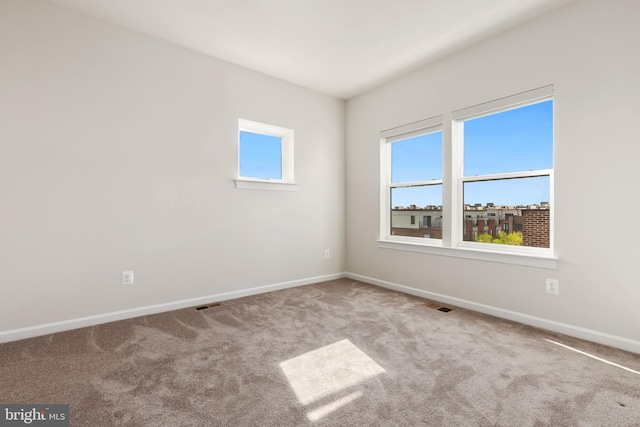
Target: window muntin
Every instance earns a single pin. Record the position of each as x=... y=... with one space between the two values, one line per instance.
x=265 y=153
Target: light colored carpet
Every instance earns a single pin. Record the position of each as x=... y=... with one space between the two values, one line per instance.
x=338 y=353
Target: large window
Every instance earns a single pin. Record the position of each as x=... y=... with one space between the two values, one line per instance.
x=495 y=193
x=506 y=183
x=265 y=156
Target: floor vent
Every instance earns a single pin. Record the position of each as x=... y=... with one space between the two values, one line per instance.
x=438 y=307
x=206 y=306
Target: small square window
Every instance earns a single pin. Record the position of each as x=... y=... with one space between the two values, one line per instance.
x=265 y=156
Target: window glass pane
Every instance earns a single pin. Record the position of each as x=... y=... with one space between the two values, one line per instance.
x=417 y=159
x=516 y=140
x=519 y=208
x=260 y=156
x=417 y=211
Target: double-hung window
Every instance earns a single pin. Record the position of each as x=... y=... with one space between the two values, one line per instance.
x=492 y=200
x=505 y=148
x=413 y=180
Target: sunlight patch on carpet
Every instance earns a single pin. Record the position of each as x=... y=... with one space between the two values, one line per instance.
x=329 y=370
x=600 y=359
x=325 y=410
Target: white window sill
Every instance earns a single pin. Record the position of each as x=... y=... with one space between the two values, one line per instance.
x=528 y=260
x=251 y=184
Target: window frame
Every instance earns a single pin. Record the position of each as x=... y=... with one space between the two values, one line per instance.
x=286 y=183
x=452 y=243
x=387 y=137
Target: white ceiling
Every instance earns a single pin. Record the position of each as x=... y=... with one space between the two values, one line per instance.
x=337 y=47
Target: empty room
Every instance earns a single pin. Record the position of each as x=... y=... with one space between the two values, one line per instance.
x=319 y=212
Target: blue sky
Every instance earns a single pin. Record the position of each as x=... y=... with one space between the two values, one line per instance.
x=514 y=140
x=260 y=156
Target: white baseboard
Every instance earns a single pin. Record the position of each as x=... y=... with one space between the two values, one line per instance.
x=551 y=325
x=65 y=325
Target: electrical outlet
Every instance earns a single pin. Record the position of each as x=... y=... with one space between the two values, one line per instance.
x=127 y=277
x=552 y=286
x=327 y=254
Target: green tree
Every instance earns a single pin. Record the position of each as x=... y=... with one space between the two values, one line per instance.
x=503 y=238
x=484 y=238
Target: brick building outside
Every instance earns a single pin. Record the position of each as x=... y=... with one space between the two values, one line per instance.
x=532 y=221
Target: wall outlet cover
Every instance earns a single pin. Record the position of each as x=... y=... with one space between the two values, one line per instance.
x=127 y=277
x=552 y=286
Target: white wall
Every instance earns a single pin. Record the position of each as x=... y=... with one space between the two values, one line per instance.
x=589 y=51
x=118 y=151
